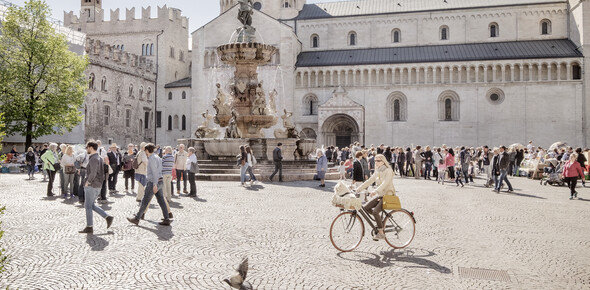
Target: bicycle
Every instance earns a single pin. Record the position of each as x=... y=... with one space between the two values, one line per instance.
x=347 y=229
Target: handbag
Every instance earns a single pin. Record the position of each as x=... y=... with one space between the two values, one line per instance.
x=69 y=169
x=56 y=166
x=194 y=168
x=391 y=202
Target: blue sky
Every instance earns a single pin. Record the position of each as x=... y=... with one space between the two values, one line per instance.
x=198 y=15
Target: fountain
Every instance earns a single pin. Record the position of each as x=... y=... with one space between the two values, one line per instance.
x=244 y=111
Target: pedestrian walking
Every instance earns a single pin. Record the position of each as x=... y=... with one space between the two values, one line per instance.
x=277 y=158
x=450 y=160
x=322 y=166
x=153 y=187
x=458 y=176
x=571 y=171
x=251 y=160
x=409 y=162
x=141 y=171
x=582 y=160
x=503 y=164
x=442 y=165
x=92 y=186
x=50 y=161
x=401 y=159
x=357 y=169
x=465 y=157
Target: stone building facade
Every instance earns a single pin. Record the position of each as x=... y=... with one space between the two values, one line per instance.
x=419 y=72
x=163 y=40
x=119 y=105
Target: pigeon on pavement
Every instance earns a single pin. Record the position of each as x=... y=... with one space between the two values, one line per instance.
x=238 y=280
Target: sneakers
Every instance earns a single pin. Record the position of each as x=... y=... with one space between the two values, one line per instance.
x=378 y=236
x=109 y=221
x=86 y=230
x=575 y=194
x=251 y=182
x=571 y=197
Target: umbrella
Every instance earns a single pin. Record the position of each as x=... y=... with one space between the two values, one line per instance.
x=557 y=145
x=517 y=146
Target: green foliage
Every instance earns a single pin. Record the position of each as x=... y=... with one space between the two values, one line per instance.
x=42 y=83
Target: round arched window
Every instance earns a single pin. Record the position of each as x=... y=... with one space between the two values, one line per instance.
x=494 y=97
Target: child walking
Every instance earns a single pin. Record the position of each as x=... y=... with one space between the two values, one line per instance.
x=342 y=170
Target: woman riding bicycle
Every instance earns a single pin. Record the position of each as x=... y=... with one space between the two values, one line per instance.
x=383 y=177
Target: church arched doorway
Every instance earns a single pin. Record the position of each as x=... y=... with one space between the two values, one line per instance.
x=340 y=130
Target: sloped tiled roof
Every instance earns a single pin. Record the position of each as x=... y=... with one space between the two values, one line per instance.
x=368 y=7
x=186 y=82
x=441 y=53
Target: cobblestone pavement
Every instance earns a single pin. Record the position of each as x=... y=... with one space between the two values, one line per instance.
x=536 y=234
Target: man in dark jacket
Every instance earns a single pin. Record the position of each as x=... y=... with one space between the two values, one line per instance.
x=277 y=158
x=115 y=163
x=503 y=164
x=409 y=162
x=329 y=153
x=92 y=186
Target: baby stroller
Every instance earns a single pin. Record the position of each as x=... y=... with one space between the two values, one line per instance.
x=553 y=174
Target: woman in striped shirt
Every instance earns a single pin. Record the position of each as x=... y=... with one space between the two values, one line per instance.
x=167 y=166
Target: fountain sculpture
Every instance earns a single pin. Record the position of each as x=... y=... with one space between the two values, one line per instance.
x=244 y=111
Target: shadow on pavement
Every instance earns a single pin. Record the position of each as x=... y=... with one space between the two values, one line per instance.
x=164 y=233
x=97 y=243
x=389 y=258
x=522 y=194
x=174 y=204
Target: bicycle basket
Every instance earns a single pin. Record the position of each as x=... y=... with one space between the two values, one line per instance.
x=391 y=202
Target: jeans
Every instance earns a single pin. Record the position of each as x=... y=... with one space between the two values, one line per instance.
x=68 y=184
x=400 y=168
x=62 y=181
x=243 y=170
x=193 y=184
x=91 y=194
x=179 y=174
x=113 y=179
x=428 y=168
x=251 y=173
x=81 y=194
x=502 y=178
x=167 y=180
x=149 y=194
x=31 y=170
x=279 y=169
x=465 y=170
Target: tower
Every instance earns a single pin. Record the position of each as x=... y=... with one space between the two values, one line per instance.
x=89 y=9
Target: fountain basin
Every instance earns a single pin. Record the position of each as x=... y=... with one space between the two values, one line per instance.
x=243 y=52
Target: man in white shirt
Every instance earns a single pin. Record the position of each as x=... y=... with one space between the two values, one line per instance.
x=180 y=167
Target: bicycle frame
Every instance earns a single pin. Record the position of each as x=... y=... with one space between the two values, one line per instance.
x=385 y=214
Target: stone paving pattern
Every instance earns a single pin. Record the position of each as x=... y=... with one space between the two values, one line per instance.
x=536 y=234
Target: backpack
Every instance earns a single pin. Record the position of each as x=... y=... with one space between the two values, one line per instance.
x=136 y=163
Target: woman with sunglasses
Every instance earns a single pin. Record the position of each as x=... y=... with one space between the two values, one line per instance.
x=383 y=177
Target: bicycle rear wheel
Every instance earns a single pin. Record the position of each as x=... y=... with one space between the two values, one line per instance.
x=399 y=229
x=347 y=231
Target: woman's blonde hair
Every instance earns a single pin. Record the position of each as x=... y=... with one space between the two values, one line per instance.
x=30 y=149
x=52 y=146
x=168 y=148
x=574 y=157
x=382 y=158
x=70 y=150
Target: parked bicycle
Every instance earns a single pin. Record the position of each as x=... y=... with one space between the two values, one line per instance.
x=347 y=229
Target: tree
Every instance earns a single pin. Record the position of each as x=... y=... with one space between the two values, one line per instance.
x=2 y=208
x=42 y=83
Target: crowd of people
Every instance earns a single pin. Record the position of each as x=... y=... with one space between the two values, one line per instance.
x=458 y=164
x=87 y=172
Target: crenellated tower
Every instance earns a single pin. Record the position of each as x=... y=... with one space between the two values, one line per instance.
x=89 y=9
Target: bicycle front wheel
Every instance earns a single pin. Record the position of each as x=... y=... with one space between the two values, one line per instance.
x=347 y=231
x=399 y=229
